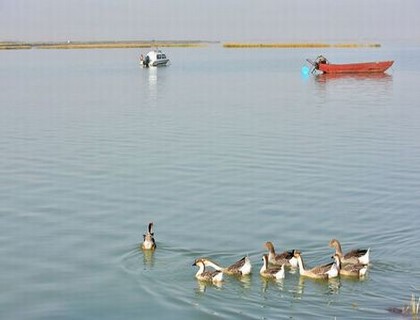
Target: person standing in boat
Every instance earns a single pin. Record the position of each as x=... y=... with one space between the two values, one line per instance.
x=320 y=60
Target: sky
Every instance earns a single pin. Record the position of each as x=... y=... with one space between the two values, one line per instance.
x=212 y=20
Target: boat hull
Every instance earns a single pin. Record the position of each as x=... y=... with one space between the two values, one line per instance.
x=159 y=63
x=365 y=67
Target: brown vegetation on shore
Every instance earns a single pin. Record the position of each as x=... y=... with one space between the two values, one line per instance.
x=99 y=45
x=300 y=45
x=13 y=46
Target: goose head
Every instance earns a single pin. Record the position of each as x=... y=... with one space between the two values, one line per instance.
x=148 y=236
x=269 y=245
x=334 y=243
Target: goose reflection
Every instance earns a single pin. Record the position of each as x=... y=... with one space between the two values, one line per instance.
x=203 y=285
x=266 y=283
x=334 y=285
x=330 y=287
x=148 y=258
x=299 y=289
x=245 y=281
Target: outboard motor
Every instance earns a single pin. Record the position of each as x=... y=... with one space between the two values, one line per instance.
x=147 y=61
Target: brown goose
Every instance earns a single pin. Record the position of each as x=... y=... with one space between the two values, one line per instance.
x=272 y=272
x=208 y=276
x=284 y=258
x=148 y=239
x=319 y=272
x=350 y=270
x=241 y=267
x=353 y=257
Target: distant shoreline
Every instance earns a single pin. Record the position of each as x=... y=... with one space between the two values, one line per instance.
x=99 y=44
x=300 y=45
x=11 y=45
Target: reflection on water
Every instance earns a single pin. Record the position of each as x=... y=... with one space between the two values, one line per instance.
x=334 y=285
x=299 y=289
x=203 y=285
x=245 y=281
x=152 y=72
x=267 y=283
x=152 y=81
x=148 y=258
x=379 y=77
x=372 y=89
x=328 y=287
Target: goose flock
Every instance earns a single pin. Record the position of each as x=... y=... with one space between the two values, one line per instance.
x=351 y=264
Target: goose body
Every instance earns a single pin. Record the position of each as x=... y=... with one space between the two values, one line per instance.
x=241 y=267
x=272 y=272
x=215 y=276
x=352 y=257
x=284 y=258
x=351 y=270
x=148 y=239
x=325 y=271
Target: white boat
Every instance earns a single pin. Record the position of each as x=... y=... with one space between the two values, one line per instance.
x=154 y=58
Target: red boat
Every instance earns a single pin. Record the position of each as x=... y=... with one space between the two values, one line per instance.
x=323 y=65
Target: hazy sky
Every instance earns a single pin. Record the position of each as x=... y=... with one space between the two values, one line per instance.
x=228 y=20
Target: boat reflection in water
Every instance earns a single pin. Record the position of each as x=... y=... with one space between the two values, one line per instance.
x=366 y=89
x=381 y=77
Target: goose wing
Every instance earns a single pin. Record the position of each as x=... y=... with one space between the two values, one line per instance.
x=273 y=270
x=354 y=267
x=286 y=255
x=209 y=275
x=356 y=253
x=322 y=269
x=237 y=265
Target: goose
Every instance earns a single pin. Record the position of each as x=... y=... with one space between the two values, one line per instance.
x=241 y=267
x=285 y=258
x=351 y=270
x=353 y=257
x=215 y=276
x=148 y=240
x=272 y=272
x=319 y=272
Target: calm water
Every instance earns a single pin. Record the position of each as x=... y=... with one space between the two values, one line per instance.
x=223 y=150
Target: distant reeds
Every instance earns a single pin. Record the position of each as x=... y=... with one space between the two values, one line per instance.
x=117 y=45
x=300 y=45
x=99 y=45
x=13 y=46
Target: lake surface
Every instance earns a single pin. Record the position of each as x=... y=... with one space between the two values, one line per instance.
x=223 y=150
